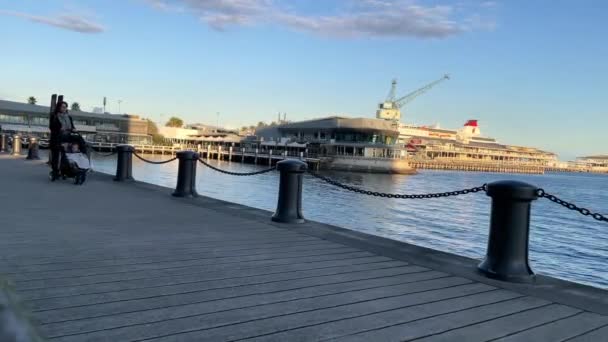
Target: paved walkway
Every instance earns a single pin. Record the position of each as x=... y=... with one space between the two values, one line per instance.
x=127 y=262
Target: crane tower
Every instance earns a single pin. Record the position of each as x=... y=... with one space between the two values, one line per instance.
x=390 y=109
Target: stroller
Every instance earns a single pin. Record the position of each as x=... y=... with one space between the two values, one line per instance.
x=75 y=161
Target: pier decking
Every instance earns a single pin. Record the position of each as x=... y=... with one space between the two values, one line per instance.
x=111 y=261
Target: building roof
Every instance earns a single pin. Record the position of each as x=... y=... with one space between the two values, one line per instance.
x=596 y=157
x=44 y=110
x=336 y=122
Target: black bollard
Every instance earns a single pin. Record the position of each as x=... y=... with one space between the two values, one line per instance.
x=186 y=174
x=507 y=253
x=16 y=145
x=32 y=151
x=124 y=163
x=289 y=206
x=3 y=143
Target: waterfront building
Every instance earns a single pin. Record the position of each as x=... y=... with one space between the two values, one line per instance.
x=593 y=163
x=333 y=136
x=199 y=134
x=33 y=120
x=354 y=144
x=467 y=144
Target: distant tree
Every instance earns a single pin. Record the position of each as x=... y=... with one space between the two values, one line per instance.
x=152 y=128
x=261 y=124
x=31 y=100
x=252 y=128
x=174 y=122
x=75 y=107
x=157 y=138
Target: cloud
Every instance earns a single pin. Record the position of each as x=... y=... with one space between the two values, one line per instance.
x=375 y=18
x=71 y=22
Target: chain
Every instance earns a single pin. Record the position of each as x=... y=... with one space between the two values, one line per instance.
x=236 y=173
x=402 y=196
x=154 y=162
x=541 y=193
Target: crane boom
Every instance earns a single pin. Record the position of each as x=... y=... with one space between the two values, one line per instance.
x=409 y=97
x=392 y=93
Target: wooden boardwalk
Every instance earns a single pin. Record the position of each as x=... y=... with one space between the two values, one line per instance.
x=127 y=262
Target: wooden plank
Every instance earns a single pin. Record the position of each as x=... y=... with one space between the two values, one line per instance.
x=241 y=309
x=598 y=335
x=408 y=328
x=462 y=295
x=503 y=326
x=561 y=330
x=160 y=256
x=42 y=283
x=283 y=254
x=137 y=251
x=251 y=278
x=150 y=292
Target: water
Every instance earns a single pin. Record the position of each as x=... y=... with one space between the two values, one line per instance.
x=563 y=244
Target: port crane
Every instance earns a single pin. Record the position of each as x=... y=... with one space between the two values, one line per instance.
x=390 y=109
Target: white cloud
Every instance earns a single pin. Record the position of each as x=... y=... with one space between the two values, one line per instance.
x=385 y=18
x=72 y=22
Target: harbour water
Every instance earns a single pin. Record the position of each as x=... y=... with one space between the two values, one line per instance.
x=563 y=243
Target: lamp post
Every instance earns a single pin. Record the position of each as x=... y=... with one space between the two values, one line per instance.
x=217 y=121
x=119 y=102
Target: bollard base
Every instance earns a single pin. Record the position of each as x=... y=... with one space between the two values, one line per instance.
x=184 y=194
x=521 y=277
x=288 y=220
x=129 y=179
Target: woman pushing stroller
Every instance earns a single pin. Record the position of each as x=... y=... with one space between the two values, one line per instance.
x=63 y=132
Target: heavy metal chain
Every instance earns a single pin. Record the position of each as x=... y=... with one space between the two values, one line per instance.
x=236 y=173
x=541 y=193
x=401 y=196
x=152 y=161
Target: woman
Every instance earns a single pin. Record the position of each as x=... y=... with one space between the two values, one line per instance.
x=61 y=126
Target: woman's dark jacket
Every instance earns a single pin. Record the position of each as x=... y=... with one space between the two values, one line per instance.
x=55 y=127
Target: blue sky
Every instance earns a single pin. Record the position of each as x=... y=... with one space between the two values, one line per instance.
x=533 y=73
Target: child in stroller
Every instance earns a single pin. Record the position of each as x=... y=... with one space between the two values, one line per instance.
x=74 y=159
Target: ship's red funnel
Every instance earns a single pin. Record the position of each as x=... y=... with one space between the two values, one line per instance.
x=472 y=123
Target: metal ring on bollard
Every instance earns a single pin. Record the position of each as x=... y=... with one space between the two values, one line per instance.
x=289 y=206
x=507 y=254
x=124 y=163
x=186 y=174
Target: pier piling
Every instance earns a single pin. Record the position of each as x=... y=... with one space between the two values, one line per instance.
x=124 y=163
x=2 y=142
x=186 y=174
x=289 y=206
x=16 y=145
x=507 y=252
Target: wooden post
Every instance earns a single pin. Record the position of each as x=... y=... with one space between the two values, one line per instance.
x=270 y=158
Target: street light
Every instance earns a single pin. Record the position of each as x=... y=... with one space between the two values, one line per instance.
x=119 y=102
x=217 y=121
